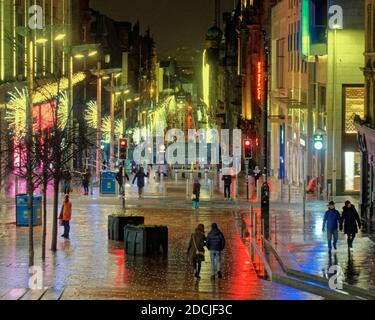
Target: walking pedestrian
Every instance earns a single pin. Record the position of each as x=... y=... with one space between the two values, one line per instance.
x=256 y=175
x=86 y=181
x=227 y=186
x=350 y=222
x=120 y=179
x=196 y=249
x=67 y=178
x=196 y=194
x=215 y=244
x=66 y=216
x=140 y=176
x=332 y=219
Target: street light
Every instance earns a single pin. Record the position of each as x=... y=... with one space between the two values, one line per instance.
x=60 y=37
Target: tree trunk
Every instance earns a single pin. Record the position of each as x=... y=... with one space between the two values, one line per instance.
x=30 y=200
x=55 y=214
x=44 y=234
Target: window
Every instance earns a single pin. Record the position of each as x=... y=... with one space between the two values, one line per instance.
x=354 y=105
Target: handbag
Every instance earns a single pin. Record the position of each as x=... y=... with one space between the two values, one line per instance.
x=197 y=252
x=193 y=197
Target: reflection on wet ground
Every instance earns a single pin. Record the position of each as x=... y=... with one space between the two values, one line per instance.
x=91 y=267
x=304 y=240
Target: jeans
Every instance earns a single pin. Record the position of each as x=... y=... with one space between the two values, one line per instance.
x=140 y=191
x=335 y=235
x=120 y=187
x=86 y=188
x=215 y=256
x=227 y=191
x=66 y=225
x=350 y=240
x=196 y=204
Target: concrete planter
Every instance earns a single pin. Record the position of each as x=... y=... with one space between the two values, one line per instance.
x=146 y=240
x=117 y=223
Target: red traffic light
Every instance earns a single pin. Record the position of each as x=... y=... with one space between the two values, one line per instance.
x=123 y=143
x=247 y=143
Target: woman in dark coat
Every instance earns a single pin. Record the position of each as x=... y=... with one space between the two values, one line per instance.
x=140 y=176
x=351 y=222
x=196 y=249
x=196 y=194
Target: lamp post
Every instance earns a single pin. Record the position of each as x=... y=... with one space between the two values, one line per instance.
x=78 y=52
x=334 y=76
x=103 y=74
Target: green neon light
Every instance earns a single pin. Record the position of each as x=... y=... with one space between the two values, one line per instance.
x=305 y=25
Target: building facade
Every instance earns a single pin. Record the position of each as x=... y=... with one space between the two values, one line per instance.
x=317 y=87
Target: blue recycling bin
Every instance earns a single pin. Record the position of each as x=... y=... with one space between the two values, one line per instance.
x=108 y=182
x=22 y=214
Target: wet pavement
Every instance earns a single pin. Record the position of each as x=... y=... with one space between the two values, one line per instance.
x=91 y=267
x=302 y=245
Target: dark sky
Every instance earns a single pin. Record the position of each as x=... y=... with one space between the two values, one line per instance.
x=173 y=23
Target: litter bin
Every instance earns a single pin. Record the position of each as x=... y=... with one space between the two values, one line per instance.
x=22 y=213
x=108 y=182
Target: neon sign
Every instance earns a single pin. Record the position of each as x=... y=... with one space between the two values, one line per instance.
x=259 y=81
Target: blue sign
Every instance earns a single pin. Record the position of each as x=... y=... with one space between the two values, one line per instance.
x=22 y=213
x=108 y=182
x=282 y=153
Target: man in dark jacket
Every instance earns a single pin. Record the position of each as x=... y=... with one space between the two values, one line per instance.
x=140 y=176
x=333 y=219
x=351 y=222
x=215 y=244
x=227 y=178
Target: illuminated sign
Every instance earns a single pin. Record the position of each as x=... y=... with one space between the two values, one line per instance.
x=259 y=81
x=318 y=142
x=305 y=25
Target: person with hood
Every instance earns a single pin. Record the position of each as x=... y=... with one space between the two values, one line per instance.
x=196 y=194
x=215 y=244
x=350 y=222
x=332 y=219
x=140 y=176
x=196 y=249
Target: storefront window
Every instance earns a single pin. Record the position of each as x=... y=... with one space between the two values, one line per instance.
x=354 y=105
x=352 y=171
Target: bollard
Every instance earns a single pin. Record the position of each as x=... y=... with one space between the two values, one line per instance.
x=188 y=189
x=289 y=199
x=162 y=182
x=176 y=175
x=280 y=190
x=191 y=176
x=275 y=230
x=211 y=188
x=329 y=192
x=236 y=194
x=318 y=192
x=304 y=198
x=205 y=175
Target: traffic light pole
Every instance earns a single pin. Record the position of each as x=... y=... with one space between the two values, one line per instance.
x=265 y=192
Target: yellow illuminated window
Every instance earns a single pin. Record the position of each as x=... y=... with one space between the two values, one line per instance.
x=354 y=105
